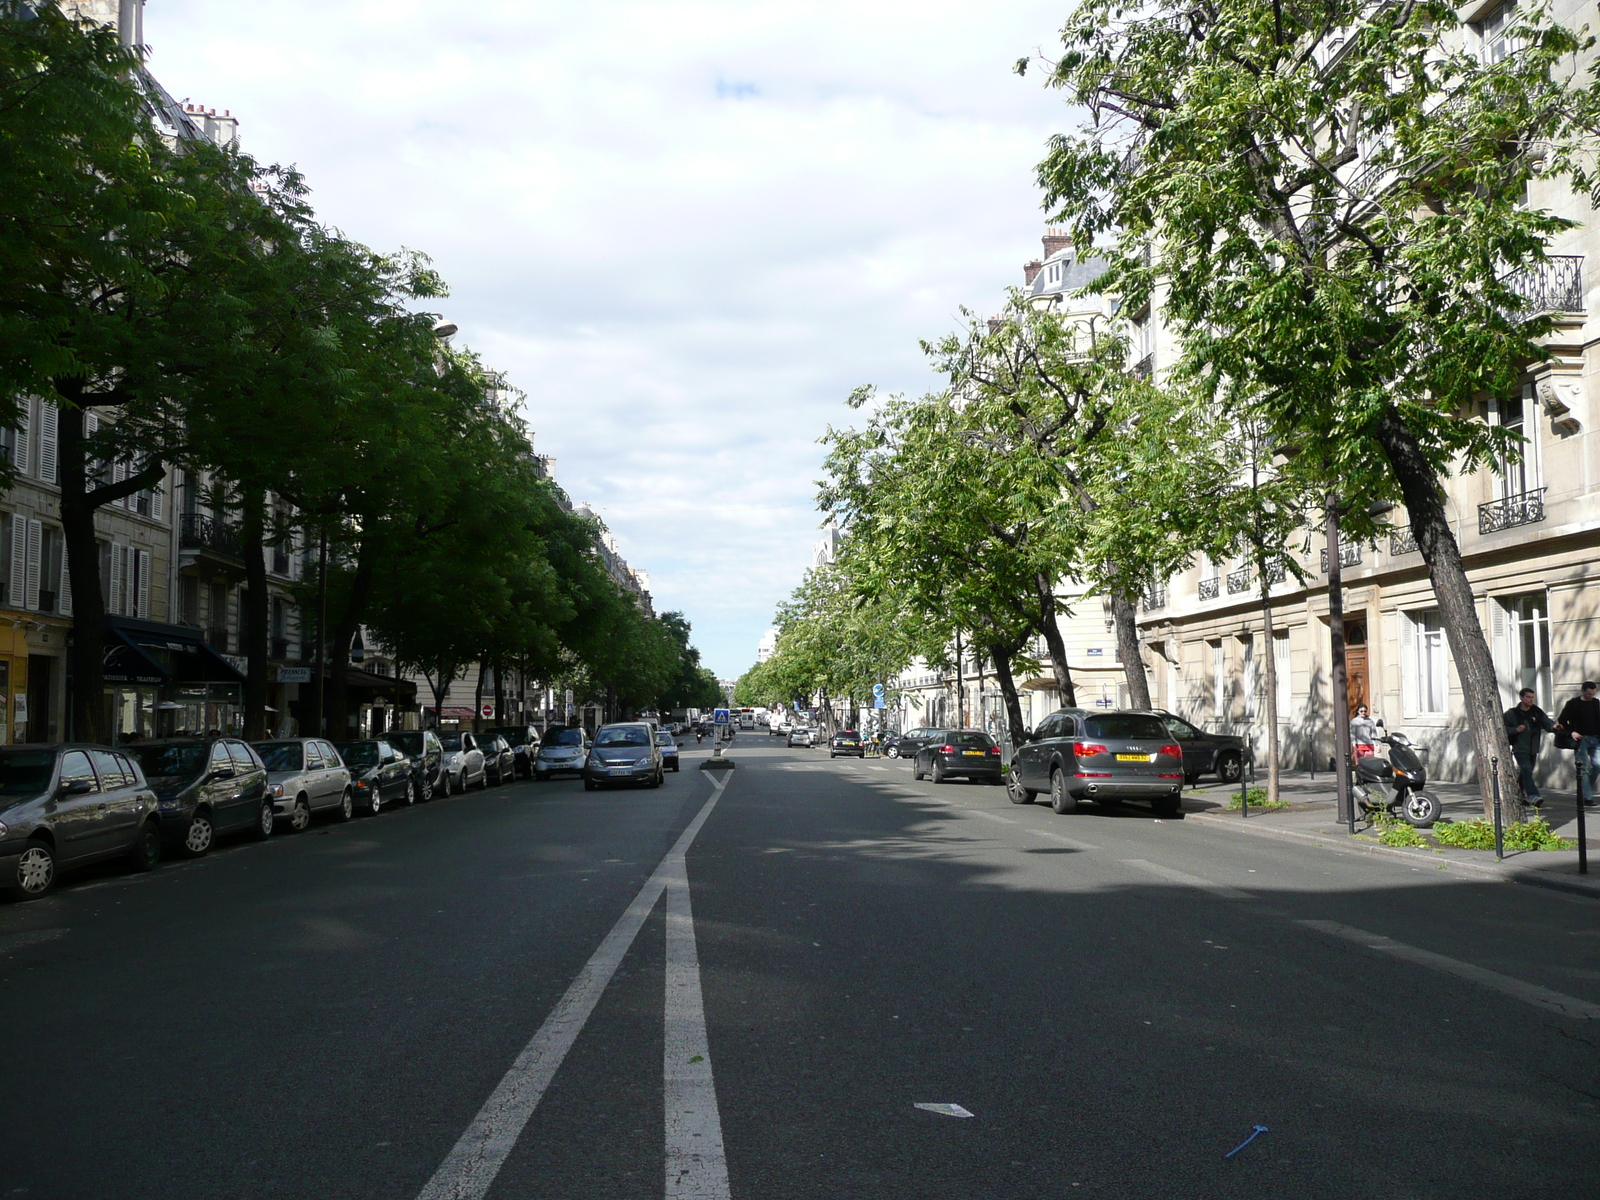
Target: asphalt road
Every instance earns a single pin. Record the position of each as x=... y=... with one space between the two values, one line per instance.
x=454 y=999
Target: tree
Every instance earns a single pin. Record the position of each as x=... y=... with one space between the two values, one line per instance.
x=1343 y=186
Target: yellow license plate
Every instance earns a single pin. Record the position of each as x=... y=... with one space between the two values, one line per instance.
x=973 y=753
x=1133 y=758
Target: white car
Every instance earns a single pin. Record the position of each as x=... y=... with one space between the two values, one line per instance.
x=802 y=737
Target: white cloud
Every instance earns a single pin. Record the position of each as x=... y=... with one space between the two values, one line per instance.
x=684 y=229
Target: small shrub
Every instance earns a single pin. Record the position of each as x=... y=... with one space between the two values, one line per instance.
x=1401 y=834
x=1536 y=835
x=1465 y=835
x=1479 y=835
x=1258 y=799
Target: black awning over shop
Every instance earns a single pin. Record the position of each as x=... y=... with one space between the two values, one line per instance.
x=367 y=686
x=149 y=652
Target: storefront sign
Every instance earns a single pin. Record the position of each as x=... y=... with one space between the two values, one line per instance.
x=294 y=674
x=238 y=662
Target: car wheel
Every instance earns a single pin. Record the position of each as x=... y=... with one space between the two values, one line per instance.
x=916 y=768
x=677 y=766
x=938 y=775
x=891 y=752
x=427 y=790
x=374 y=801
x=35 y=873
x=590 y=785
x=261 y=827
x=1229 y=768
x=145 y=853
x=201 y=833
x=1168 y=806
x=1061 y=800
x=347 y=806
x=1014 y=789
x=411 y=794
x=300 y=814
x=542 y=776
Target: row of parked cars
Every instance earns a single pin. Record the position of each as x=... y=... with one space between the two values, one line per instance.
x=72 y=804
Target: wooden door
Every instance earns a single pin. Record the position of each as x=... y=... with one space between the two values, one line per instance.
x=1355 y=669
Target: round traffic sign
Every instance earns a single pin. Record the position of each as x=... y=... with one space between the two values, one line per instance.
x=877 y=689
x=487 y=710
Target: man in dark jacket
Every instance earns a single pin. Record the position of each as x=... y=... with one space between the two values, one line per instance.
x=1581 y=718
x=1526 y=725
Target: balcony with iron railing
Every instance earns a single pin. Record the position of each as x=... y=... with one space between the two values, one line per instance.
x=1144 y=368
x=1402 y=541
x=1210 y=589
x=1275 y=572
x=197 y=531
x=1155 y=598
x=1238 y=581
x=1526 y=508
x=280 y=560
x=1349 y=556
x=1552 y=286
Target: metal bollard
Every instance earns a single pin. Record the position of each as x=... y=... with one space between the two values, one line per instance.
x=1499 y=832
x=1244 y=795
x=1583 y=837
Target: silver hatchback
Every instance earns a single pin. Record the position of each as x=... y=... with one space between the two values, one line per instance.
x=305 y=776
x=1106 y=757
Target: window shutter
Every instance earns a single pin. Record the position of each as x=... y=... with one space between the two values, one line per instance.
x=143 y=611
x=119 y=472
x=24 y=427
x=35 y=542
x=1408 y=666
x=116 y=577
x=91 y=424
x=64 y=587
x=1503 y=649
x=49 y=426
x=19 y=563
x=157 y=499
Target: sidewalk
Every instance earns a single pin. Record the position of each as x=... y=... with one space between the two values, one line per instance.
x=1312 y=815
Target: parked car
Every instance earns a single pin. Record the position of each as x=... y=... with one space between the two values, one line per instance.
x=907 y=744
x=305 y=776
x=963 y=754
x=206 y=787
x=463 y=761
x=378 y=773
x=426 y=752
x=669 y=749
x=1219 y=754
x=560 y=750
x=499 y=760
x=624 y=753
x=846 y=742
x=524 y=743
x=801 y=736
x=63 y=806
x=1102 y=756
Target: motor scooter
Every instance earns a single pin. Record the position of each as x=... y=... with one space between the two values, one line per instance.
x=1395 y=784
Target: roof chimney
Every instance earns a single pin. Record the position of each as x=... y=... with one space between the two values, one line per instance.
x=1030 y=271
x=1055 y=240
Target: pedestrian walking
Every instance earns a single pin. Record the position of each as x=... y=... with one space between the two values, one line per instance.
x=1526 y=725
x=1581 y=718
x=1363 y=731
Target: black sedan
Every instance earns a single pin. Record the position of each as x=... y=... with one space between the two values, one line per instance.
x=524 y=743
x=379 y=773
x=846 y=742
x=669 y=749
x=1219 y=754
x=207 y=787
x=499 y=759
x=426 y=752
x=964 y=754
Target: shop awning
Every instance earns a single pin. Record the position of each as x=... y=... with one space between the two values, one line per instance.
x=402 y=691
x=148 y=652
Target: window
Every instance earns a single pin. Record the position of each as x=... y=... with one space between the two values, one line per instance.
x=1520 y=630
x=109 y=768
x=220 y=761
x=1247 y=648
x=1520 y=470
x=1428 y=683
x=243 y=759
x=74 y=767
x=1495 y=30
x=52 y=568
x=1219 y=680
x=1280 y=667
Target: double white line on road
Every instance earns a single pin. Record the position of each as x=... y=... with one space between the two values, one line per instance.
x=696 y=1166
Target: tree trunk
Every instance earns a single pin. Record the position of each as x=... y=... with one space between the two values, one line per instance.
x=1055 y=647
x=499 y=696
x=344 y=632
x=1001 y=655
x=1126 y=619
x=1419 y=485
x=1272 y=686
x=252 y=544
x=477 y=696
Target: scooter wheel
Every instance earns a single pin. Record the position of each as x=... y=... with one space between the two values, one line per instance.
x=1421 y=809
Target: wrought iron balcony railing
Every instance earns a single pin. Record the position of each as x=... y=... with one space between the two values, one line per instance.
x=1210 y=589
x=1402 y=541
x=196 y=531
x=1238 y=580
x=1145 y=367
x=1276 y=573
x=1552 y=286
x=1511 y=511
x=1349 y=556
x=1155 y=598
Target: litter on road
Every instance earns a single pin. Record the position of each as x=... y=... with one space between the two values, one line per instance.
x=945 y=1110
x=1259 y=1130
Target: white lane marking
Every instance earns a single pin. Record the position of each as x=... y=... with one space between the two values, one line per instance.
x=1065 y=841
x=696 y=1166
x=944 y=1110
x=1528 y=993
x=989 y=816
x=1216 y=889
x=473 y=1162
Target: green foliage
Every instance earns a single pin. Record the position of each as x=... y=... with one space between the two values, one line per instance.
x=1479 y=835
x=1398 y=833
x=1258 y=799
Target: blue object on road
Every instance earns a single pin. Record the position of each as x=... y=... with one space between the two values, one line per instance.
x=1259 y=1130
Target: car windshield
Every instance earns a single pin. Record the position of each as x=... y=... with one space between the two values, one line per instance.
x=970 y=741
x=451 y=741
x=622 y=735
x=1125 y=726
x=515 y=737
x=25 y=772
x=170 y=761
x=663 y=738
x=411 y=743
x=359 y=754
x=281 y=756
x=562 y=737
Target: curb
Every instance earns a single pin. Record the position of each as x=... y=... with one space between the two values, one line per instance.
x=1344 y=842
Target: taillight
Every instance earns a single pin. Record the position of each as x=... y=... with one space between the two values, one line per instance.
x=947 y=749
x=1089 y=749
x=994 y=749
x=1172 y=751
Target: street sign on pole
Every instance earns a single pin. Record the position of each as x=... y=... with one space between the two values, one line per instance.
x=487 y=710
x=877 y=702
x=877 y=690
x=719 y=716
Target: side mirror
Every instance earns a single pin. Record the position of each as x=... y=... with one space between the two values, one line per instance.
x=76 y=787
x=221 y=773
x=1380 y=723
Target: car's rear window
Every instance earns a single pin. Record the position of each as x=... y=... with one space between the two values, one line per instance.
x=169 y=762
x=1127 y=726
x=23 y=772
x=970 y=741
x=359 y=754
x=281 y=756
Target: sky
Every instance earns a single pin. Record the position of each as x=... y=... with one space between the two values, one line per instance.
x=685 y=230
